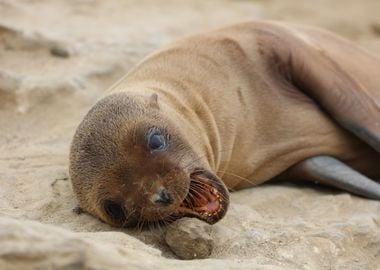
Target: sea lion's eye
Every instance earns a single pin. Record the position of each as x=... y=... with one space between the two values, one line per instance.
x=156 y=141
x=114 y=210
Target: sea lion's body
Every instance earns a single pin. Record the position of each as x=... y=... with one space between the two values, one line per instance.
x=248 y=125
x=223 y=91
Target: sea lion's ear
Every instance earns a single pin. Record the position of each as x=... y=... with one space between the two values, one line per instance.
x=340 y=78
x=153 y=101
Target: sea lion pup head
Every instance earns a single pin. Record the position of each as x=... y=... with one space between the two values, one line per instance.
x=130 y=165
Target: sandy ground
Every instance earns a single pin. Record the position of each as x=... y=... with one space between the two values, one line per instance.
x=57 y=57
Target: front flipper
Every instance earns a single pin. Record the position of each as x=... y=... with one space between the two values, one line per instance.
x=341 y=78
x=330 y=171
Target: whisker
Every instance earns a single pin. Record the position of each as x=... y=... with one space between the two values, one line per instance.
x=128 y=216
x=238 y=176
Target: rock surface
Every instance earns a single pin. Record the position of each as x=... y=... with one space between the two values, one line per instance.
x=58 y=57
x=190 y=238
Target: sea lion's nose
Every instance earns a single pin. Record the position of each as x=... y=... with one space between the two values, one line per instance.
x=162 y=197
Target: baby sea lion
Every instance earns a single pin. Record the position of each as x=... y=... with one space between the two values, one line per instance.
x=226 y=110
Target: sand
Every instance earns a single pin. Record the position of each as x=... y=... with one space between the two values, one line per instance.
x=57 y=57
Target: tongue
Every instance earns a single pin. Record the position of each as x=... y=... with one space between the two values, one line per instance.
x=212 y=206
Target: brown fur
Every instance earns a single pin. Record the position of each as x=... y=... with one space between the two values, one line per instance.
x=235 y=103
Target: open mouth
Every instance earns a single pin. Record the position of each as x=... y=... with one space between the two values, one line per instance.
x=206 y=200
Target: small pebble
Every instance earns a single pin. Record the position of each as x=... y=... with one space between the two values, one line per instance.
x=60 y=52
x=375 y=28
x=190 y=238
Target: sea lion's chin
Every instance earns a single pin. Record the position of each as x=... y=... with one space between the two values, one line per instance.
x=207 y=198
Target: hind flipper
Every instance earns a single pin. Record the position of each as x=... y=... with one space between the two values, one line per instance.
x=330 y=171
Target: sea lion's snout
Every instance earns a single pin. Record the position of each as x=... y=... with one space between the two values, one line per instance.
x=162 y=197
x=201 y=195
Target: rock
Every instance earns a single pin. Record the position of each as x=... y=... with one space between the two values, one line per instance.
x=28 y=245
x=60 y=51
x=375 y=27
x=9 y=82
x=190 y=238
